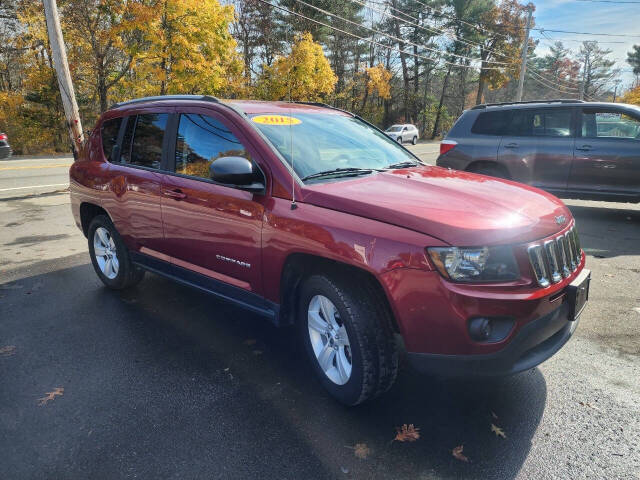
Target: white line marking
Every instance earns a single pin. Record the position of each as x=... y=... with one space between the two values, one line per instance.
x=35 y=186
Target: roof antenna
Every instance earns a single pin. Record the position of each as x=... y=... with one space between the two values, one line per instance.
x=294 y=205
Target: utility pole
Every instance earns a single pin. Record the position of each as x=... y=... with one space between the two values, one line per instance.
x=615 y=90
x=64 y=76
x=525 y=51
x=584 y=75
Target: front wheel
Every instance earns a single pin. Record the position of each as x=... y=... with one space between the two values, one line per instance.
x=348 y=338
x=109 y=255
x=399 y=140
x=414 y=141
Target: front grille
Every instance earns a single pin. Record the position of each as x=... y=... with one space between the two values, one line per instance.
x=556 y=258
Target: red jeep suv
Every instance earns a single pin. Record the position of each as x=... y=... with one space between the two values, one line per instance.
x=309 y=216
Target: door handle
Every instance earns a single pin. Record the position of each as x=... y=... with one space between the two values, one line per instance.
x=177 y=194
x=511 y=145
x=585 y=148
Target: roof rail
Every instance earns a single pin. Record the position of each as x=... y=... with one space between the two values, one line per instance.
x=206 y=98
x=559 y=100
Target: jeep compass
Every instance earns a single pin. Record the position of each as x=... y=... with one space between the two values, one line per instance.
x=311 y=217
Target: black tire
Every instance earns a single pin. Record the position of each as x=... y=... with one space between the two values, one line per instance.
x=399 y=140
x=490 y=170
x=414 y=140
x=373 y=347
x=128 y=274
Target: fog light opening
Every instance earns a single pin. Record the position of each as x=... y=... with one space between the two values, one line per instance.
x=480 y=329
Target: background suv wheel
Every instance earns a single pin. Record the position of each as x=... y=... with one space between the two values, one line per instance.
x=109 y=255
x=414 y=140
x=399 y=140
x=348 y=338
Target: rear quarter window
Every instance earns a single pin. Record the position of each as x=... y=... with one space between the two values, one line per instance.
x=109 y=133
x=491 y=123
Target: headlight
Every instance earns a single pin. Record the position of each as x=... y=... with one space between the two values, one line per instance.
x=479 y=264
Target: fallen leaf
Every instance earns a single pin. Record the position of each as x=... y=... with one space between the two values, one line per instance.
x=498 y=431
x=361 y=450
x=457 y=454
x=609 y=275
x=249 y=342
x=257 y=352
x=407 y=433
x=58 y=391
x=345 y=470
x=7 y=351
x=495 y=417
x=587 y=404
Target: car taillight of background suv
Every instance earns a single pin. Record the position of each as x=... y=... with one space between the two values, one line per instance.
x=570 y=148
x=308 y=216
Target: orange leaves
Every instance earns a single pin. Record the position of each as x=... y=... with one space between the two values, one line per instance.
x=378 y=81
x=360 y=450
x=304 y=74
x=458 y=455
x=58 y=391
x=407 y=433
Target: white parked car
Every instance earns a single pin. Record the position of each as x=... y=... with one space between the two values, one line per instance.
x=403 y=133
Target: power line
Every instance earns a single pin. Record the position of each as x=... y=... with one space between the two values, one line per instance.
x=427 y=29
x=581 y=40
x=373 y=42
x=550 y=84
x=392 y=36
x=588 y=33
x=556 y=81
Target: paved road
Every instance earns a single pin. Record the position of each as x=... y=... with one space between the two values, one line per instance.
x=165 y=382
x=26 y=176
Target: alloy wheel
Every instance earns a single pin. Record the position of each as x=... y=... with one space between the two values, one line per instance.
x=329 y=340
x=106 y=254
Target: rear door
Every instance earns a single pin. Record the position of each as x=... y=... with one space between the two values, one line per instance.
x=607 y=152
x=136 y=174
x=211 y=229
x=539 y=145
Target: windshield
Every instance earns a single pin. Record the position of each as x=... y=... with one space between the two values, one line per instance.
x=394 y=128
x=322 y=142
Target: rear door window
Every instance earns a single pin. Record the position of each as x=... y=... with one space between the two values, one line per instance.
x=109 y=133
x=491 y=123
x=609 y=124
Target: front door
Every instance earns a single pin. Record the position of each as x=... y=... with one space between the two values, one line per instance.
x=539 y=143
x=211 y=229
x=607 y=152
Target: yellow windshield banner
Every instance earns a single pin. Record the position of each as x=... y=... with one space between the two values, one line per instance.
x=276 y=120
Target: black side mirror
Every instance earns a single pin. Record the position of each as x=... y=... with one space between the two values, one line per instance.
x=237 y=172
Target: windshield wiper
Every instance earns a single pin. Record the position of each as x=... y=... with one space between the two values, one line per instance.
x=344 y=171
x=404 y=164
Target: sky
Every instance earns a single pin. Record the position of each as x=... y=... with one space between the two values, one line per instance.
x=582 y=16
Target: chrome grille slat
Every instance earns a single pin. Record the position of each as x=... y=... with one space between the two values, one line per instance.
x=552 y=257
x=556 y=258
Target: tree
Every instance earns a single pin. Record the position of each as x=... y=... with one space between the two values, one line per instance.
x=189 y=50
x=503 y=42
x=596 y=69
x=106 y=36
x=633 y=59
x=632 y=96
x=304 y=74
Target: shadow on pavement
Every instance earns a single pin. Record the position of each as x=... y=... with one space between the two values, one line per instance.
x=164 y=381
x=597 y=226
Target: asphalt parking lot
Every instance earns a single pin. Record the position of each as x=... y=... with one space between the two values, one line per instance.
x=166 y=382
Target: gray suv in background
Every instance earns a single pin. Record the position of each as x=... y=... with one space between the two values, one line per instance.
x=570 y=148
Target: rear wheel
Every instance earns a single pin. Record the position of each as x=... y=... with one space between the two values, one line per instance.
x=109 y=255
x=399 y=140
x=348 y=339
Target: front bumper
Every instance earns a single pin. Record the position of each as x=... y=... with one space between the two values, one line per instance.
x=534 y=343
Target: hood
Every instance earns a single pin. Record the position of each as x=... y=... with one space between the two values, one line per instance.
x=459 y=208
